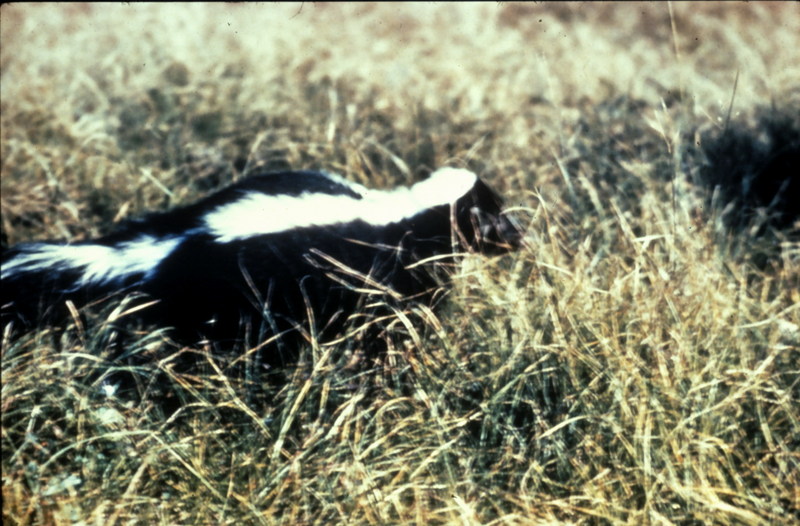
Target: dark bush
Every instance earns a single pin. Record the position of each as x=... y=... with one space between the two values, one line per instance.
x=755 y=168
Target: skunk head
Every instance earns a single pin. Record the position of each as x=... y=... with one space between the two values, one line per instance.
x=481 y=223
x=476 y=217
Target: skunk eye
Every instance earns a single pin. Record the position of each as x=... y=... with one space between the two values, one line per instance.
x=477 y=214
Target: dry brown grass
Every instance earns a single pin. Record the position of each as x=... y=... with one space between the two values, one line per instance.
x=634 y=364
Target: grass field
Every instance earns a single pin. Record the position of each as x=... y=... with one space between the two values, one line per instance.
x=637 y=363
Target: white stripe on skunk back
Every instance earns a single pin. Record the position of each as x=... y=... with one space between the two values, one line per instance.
x=261 y=252
x=98 y=264
x=257 y=214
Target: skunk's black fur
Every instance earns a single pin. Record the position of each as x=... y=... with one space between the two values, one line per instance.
x=276 y=253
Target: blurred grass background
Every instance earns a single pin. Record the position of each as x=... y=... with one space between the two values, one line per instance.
x=637 y=363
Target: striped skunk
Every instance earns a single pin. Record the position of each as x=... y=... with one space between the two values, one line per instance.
x=275 y=253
